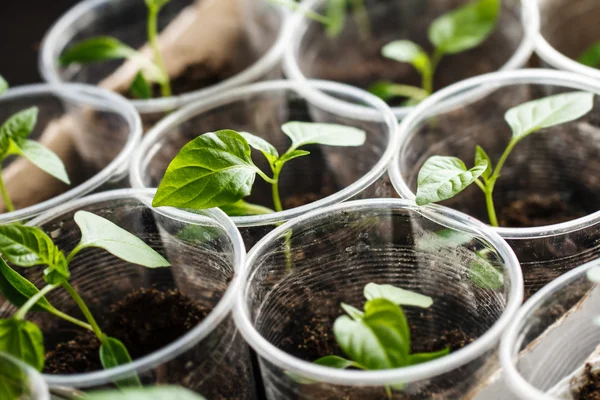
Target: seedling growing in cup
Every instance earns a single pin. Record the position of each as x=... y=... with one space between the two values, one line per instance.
x=379 y=337
x=14 y=141
x=442 y=177
x=27 y=246
x=216 y=169
x=455 y=32
x=103 y=48
x=591 y=56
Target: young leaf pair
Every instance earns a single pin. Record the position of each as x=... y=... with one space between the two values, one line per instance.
x=27 y=246
x=216 y=169
x=104 y=48
x=379 y=336
x=455 y=32
x=14 y=141
x=443 y=177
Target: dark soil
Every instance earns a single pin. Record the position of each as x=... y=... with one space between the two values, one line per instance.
x=145 y=321
x=591 y=388
x=537 y=210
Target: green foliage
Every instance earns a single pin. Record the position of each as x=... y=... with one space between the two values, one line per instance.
x=591 y=56
x=3 y=85
x=216 y=169
x=442 y=177
x=397 y=295
x=18 y=290
x=14 y=381
x=114 y=353
x=23 y=340
x=146 y=393
x=100 y=48
x=140 y=88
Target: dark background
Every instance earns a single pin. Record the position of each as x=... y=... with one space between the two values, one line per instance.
x=23 y=24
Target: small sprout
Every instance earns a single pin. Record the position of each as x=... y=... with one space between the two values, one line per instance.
x=146 y=393
x=104 y=48
x=442 y=178
x=27 y=246
x=379 y=337
x=216 y=169
x=13 y=142
x=455 y=32
x=591 y=56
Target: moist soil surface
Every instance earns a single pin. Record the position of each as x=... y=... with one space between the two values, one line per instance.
x=591 y=388
x=145 y=321
x=537 y=210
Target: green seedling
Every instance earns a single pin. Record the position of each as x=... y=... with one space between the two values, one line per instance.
x=455 y=32
x=146 y=393
x=335 y=15
x=14 y=141
x=591 y=56
x=103 y=48
x=28 y=246
x=216 y=169
x=379 y=337
x=442 y=178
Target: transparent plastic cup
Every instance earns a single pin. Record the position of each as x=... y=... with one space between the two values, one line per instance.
x=567 y=29
x=258 y=50
x=21 y=382
x=297 y=276
x=327 y=176
x=551 y=337
x=206 y=255
x=94 y=132
x=313 y=54
x=547 y=173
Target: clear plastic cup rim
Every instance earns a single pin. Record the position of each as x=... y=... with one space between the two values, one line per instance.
x=311 y=90
x=35 y=378
x=47 y=63
x=194 y=336
x=98 y=99
x=442 y=215
x=513 y=379
x=475 y=88
x=297 y=26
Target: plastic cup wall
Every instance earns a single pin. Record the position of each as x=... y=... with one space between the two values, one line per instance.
x=21 y=381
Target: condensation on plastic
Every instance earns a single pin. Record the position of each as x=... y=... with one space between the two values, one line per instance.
x=567 y=29
x=106 y=130
x=562 y=160
x=530 y=373
x=327 y=176
x=333 y=253
x=205 y=255
x=26 y=383
x=350 y=59
x=261 y=50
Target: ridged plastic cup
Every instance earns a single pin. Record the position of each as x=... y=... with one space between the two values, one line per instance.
x=312 y=54
x=530 y=372
x=561 y=162
x=94 y=131
x=567 y=29
x=259 y=54
x=327 y=176
x=21 y=382
x=297 y=276
x=206 y=256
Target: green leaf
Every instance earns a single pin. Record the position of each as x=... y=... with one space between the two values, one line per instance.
x=41 y=157
x=260 y=144
x=99 y=232
x=242 y=208
x=549 y=111
x=24 y=340
x=441 y=178
x=303 y=133
x=19 y=125
x=465 y=27
x=146 y=393
x=337 y=362
x=291 y=155
x=213 y=170
x=593 y=274
x=140 y=88
x=336 y=14
x=3 y=85
x=96 y=49
x=480 y=156
x=380 y=340
x=419 y=358
x=158 y=4
x=591 y=56
x=397 y=295
x=114 y=353
x=408 y=52
x=18 y=290
x=484 y=275
x=14 y=381
x=354 y=312
x=388 y=90
x=27 y=246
